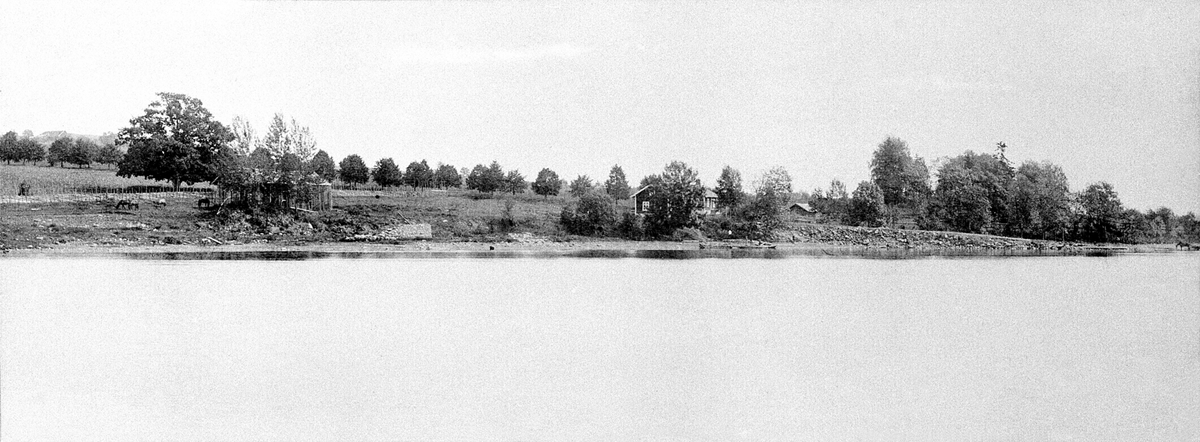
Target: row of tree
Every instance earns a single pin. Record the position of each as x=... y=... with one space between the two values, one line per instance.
x=985 y=193
x=352 y=170
x=78 y=151
x=177 y=140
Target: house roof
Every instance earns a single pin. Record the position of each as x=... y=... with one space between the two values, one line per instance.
x=804 y=206
x=708 y=193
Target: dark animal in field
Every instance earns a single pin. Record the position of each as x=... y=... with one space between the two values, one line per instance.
x=203 y=202
x=128 y=204
x=160 y=203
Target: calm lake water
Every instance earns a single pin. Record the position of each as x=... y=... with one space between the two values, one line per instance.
x=439 y=347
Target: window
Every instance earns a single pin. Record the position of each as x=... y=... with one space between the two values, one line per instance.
x=645 y=206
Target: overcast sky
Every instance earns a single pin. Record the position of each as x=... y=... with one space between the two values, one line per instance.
x=1107 y=91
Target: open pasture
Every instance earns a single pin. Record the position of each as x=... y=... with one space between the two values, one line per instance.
x=57 y=184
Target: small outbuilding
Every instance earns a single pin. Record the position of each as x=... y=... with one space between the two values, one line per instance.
x=803 y=209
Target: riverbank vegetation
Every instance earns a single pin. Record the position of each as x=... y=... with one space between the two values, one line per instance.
x=178 y=141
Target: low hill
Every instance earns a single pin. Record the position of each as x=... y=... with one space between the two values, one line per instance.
x=45 y=138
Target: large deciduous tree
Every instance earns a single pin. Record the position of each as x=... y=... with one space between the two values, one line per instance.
x=617 y=186
x=1101 y=214
x=1039 y=201
x=972 y=193
x=547 y=183
x=674 y=197
x=353 y=170
x=903 y=179
x=176 y=140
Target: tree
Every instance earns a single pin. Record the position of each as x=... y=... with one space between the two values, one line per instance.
x=1039 y=201
x=446 y=176
x=109 y=154
x=486 y=178
x=775 y=187
x=616 y=186
x=972 y=193
x=8 y=147
x=59 y=150
x=674 y=197
x=352 y=170
x=464 y=173
x=834 y=203
x=322 y=165
x=593 y=214
x=82 y=152
x=904 y=180
x=284 y=140
x=961 y=200
x=547 y=183
x=580 y=186
x=771 y=195
x=386 y=173
x=177 y=140
x=418 y=174
x=867 y=206
x=729 y=189
x=1101 y=214
x=515 y=182
x=30 y=150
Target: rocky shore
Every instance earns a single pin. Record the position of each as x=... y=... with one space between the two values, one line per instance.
x=887 y=238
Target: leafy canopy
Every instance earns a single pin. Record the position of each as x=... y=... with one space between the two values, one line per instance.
x=176 y=140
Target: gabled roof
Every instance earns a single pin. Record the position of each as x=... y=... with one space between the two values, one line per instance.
x=708 y=193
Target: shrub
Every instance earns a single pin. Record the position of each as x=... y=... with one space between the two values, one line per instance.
x=631 y=226
x=593 y=215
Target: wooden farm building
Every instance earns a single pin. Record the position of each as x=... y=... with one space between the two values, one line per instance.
x=803 y=209
x=641 y=201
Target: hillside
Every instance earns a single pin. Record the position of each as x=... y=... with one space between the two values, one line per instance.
x=45 y=138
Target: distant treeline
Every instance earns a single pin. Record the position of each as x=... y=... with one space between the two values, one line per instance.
x=79 y=151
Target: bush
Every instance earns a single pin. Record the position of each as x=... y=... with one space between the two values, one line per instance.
x=631 y=226
x=506 y=222
x=593 y=215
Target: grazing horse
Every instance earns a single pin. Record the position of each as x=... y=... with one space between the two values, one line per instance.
x=203 y=202
x=128 y=204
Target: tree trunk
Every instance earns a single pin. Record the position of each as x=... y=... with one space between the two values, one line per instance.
x=175 y=184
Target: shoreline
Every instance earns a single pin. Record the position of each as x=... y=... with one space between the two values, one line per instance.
x=591 y=247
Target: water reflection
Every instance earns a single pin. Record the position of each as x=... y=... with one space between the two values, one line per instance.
x=853 y=253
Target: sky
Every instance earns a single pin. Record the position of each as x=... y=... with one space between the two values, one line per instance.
x=1108 y=91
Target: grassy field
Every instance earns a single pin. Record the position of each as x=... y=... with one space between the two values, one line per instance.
x=45 y=180
x=461 y=213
